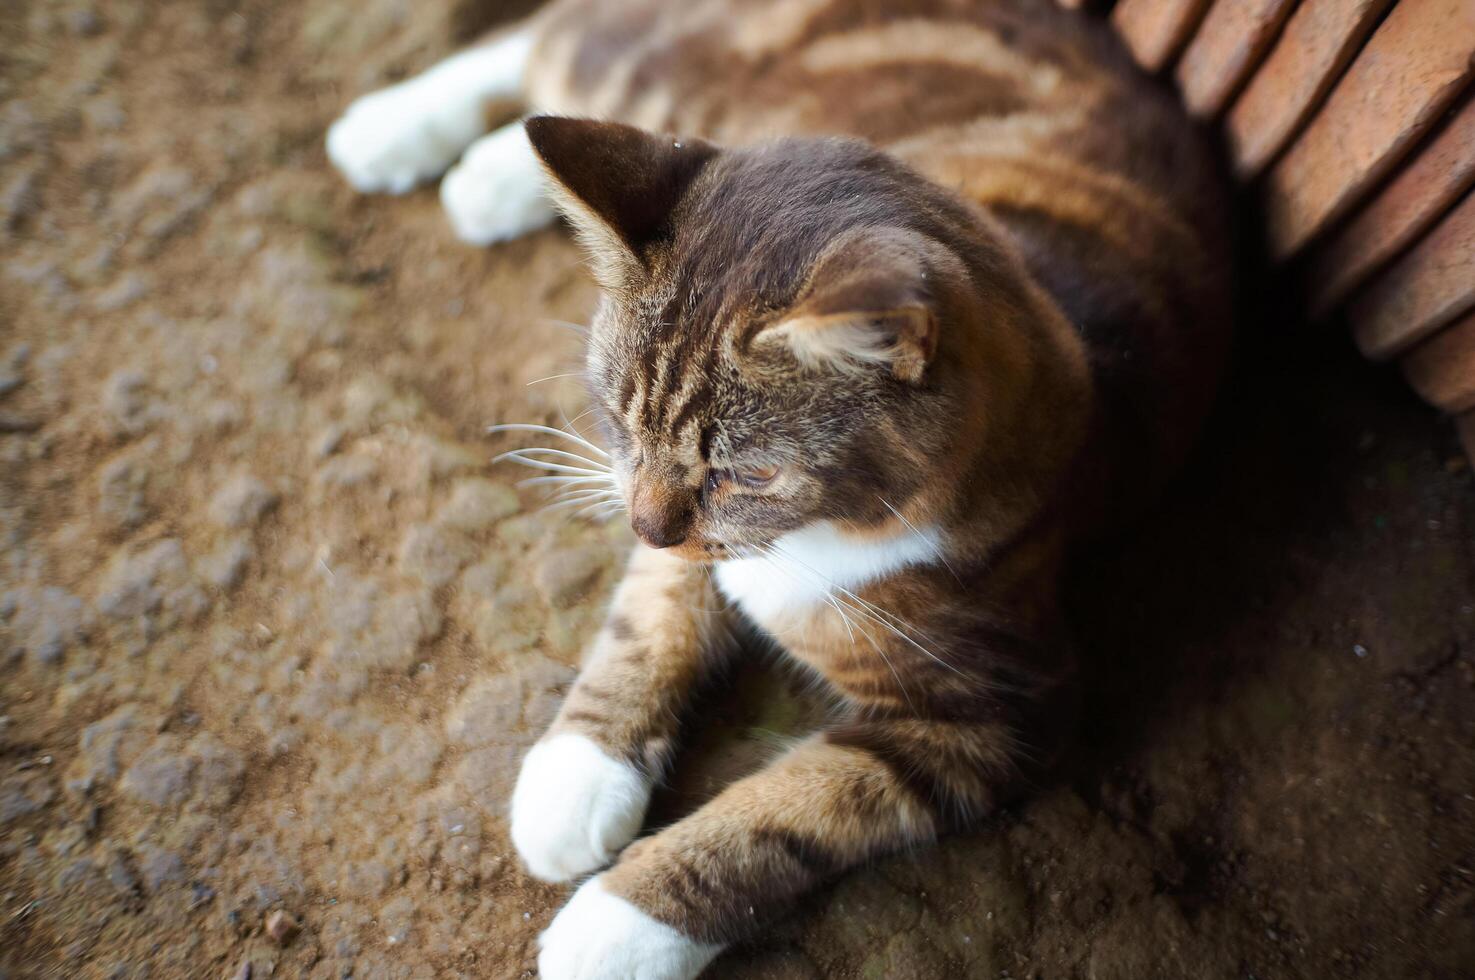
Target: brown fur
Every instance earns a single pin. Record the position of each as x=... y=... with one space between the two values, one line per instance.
x=946 y=264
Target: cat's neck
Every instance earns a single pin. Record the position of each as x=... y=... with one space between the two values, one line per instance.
x=804 y=568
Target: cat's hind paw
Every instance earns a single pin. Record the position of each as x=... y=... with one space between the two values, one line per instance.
x=600 y=936
x=575 y=807
x=496 y=192
x=393 y=139
x=397 y=137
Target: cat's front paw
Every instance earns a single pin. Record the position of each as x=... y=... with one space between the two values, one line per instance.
x=395 y=138
x=575 y=807
x=600 y=936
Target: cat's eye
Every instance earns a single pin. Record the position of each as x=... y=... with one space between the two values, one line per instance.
x=755 y=477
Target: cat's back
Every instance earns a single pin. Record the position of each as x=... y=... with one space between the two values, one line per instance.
x=744 y=69
x=925 y=79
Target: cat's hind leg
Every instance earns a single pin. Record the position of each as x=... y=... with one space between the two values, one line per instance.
x=496 y=193
x=397 y=137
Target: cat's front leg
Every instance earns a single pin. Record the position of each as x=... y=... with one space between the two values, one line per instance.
x=675 y=899
x=583 y=789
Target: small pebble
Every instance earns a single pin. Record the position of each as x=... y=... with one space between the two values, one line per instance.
x=281 y=927
x=243 y=973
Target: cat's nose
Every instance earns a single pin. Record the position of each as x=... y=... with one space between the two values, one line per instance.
x=660 y=516
x=657 y=534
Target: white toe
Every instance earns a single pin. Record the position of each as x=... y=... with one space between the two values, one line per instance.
x=574 y=807
x=599 y=936
x=496 y=193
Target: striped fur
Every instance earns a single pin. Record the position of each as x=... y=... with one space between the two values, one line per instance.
x=938 y=264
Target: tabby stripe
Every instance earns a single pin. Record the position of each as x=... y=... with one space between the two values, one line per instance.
x=908 y=771
x=627 y=392
x=594 y=691
x=692 y=888
x=586 y=716
x=808 y=853
x=699 y=398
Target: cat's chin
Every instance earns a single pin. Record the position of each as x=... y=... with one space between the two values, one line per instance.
x=700 y=552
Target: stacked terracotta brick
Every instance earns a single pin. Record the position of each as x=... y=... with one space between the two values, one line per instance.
x=1354 y=122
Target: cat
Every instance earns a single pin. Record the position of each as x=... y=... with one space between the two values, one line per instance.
x=900 y=300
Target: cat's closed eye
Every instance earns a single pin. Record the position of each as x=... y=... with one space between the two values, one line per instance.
x=754 y=478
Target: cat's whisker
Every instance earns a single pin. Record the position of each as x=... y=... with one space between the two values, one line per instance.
x=555 y=377
x=550 y=430
x=583 y=498
x=567 y=480
x=876 y=614
x=577 y=328
x=850 y=628
x=932 y=545
x=538 y=464
x=587 y=411
x=589 y=496
x=582 y=491
x=568 y=423
x=595 y=464
x=601 y=510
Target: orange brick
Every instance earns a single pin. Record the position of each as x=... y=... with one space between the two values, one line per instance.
x=1231 y=41
x=1318 y=42
x=1156 y=30
x=1422 y=291
x=1442 y=368
x=1403 y=210
x=1412 y=68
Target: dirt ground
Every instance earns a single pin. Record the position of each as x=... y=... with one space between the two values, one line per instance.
x=274 y=632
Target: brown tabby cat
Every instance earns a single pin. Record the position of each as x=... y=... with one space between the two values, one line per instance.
x=919 y=292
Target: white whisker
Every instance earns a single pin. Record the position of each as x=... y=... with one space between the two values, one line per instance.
x=834 y=603
x=566 y=480
x=881 y=617
x=600 y=510
x=582 y=499
x=537 y=464
x=555 y=377
x=532 y=427
x=604 y=467
x=937 y=551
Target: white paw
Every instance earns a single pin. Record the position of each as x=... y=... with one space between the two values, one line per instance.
x=599 y=936
x=574 y=807
x=496 y=192
x=395 y=138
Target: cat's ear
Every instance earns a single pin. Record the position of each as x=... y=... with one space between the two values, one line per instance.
x=617 y=184
x=867 y=304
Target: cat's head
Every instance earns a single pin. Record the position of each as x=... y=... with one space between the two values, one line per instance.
x=778 y=342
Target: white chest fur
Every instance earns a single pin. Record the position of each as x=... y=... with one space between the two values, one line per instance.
x=810 y=564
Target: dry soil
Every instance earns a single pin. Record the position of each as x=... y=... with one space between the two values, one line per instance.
x=274 y=631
